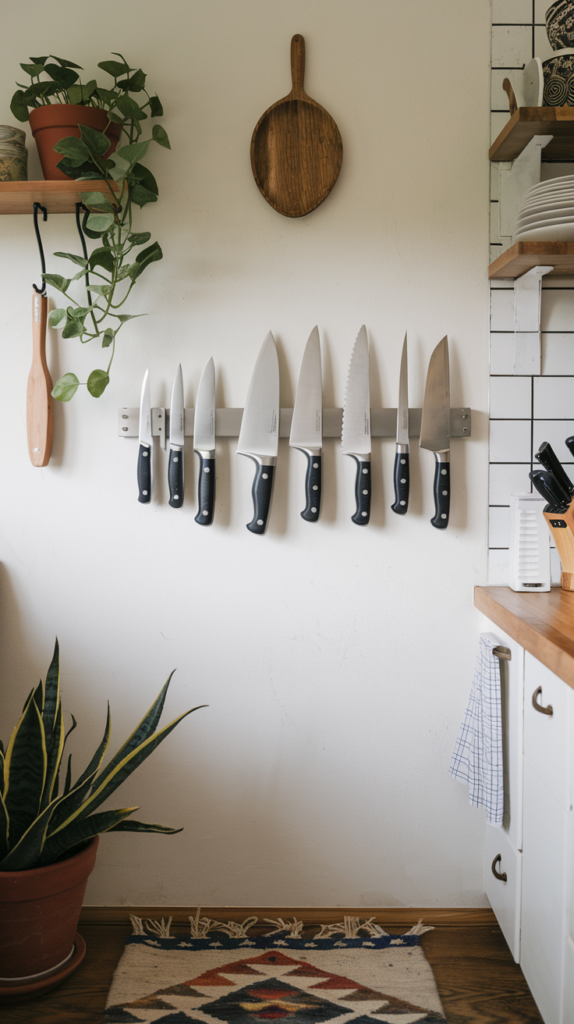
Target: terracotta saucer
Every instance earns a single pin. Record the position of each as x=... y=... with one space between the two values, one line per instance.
x=18 y=990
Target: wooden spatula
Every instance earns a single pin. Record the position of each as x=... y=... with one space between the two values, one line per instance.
x=296 y=148
x=39 y=393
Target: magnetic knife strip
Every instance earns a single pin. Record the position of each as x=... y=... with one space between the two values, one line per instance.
x=228 y=422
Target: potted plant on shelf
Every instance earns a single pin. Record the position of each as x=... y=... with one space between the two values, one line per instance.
x=49 y=829
x=91 y=122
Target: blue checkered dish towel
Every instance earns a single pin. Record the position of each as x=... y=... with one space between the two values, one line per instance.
x=477 y=755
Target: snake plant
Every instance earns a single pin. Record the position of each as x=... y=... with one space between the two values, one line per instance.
x=42 y=821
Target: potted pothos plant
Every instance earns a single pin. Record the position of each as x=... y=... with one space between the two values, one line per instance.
x=86 y=150
x=50 y=824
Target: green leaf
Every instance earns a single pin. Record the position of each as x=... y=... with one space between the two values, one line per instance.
x=139 y=237
x=133 y=152
x=142 y=731
x=32 y=69
x=108 y=337
x=137 y=82
x=101 y=289
x=39 y=60
x=96 y=142
x=65 y=388
x=62 y=76
x=51 y=695
x=81 y=273
x=79 y=831
x=57 y=281
x=124 y=272
x=73 y=329
x=68 y=779
x=4 y=826
x=114 y=68
x=18 y=106
x=75 y=259
x=102 y=257
x=140 y=195
x=65 y=63
x=160 y=136
x=87 y=230
x=75 y=794
x=26 y=852
x=156 y=109
x=55 y=317
x=100 y=222
x=74 y=150
x=131 y=825
x=98 y=382
x=98 y=200
x=123 y=317
x=25 y=772
x=147 y=256
x=55 y=749
x=78 y=312
x=130 y=109
x=144 y=176
x=85 y=170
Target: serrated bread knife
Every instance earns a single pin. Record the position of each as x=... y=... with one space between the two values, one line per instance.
x=176 y=442
x=401 y=475
x=435 y=430
x=259 y=434
x=307 y=424
x=204 y=445
x=146 y=444
x=356 y=435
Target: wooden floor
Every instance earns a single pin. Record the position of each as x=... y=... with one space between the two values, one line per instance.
x=478 y=981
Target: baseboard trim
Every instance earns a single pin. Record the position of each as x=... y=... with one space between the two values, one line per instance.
x=391 y=917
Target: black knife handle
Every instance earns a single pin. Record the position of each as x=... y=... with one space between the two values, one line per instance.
x=547 y=457
x=175 y=478
x=261 y=493
x=362 y=492
x=402 y=478
x=144 y=474
x=312 y=487
x=569 y=442
x=441 y=493
x=205 y=490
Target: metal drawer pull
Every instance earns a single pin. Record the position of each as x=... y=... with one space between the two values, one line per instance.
x=501 y=875
x=543 y=711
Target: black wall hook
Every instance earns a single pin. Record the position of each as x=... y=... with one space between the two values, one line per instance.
x=38 y=206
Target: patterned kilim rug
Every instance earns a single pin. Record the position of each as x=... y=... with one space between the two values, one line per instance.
x=219 y=974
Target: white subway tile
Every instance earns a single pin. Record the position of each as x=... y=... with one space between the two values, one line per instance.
x=555 y=566
x=494 y=225
x=510 y=440
x=502 y=282
x=494 y=180
x=557 y=354
x=498 y=527
x=498 y=568
x=502 y=309
x=553 y=281
x=510 y=398
x=497 y=123
x=540 y=8
x=511 y=46
x=557 y=310
x=506 y=480
x=553 y=398
x=511 y=11
x=502 y=353
x=542 y=47
x=555 y=432
x=498 y=97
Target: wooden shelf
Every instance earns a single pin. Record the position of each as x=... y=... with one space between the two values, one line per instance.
x=522 y=256
x=56 y=196
x=530 y=121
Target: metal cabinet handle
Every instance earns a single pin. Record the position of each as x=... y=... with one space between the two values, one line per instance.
x=501 y=875
x=543 y=711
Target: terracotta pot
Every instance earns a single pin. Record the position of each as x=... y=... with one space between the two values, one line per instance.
x=39 y=911
x=56 y=121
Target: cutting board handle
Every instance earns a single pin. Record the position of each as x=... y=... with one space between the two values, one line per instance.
x=39 y=394
x=298 y=67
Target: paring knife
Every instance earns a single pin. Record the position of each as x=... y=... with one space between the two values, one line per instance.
x=307 y=423
x=402 y=446
x=259 y=434
x=435 y=430
x=176 y=442
x=356 y=436
x=146 y=444
x=546 y=485
x=547 y=458
x=204 y=445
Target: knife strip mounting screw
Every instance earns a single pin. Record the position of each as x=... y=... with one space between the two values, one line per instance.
x=125 y=416
x=124 y=428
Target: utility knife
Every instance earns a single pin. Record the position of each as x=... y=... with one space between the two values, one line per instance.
x=307 y=424
x=259 y=434
x=435 y=430
x=146 y=444
x=401 y=474
x=176 y=442
x=548 y=458
x=204 y=445
x=356 y=435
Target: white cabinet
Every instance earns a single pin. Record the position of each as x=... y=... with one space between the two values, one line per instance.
x=503 y=883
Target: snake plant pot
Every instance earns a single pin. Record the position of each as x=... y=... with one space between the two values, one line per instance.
x=56 y=121
x=560 y=24
x=39 y=912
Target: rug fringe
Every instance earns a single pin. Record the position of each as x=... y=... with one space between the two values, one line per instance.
x=293 y=929
x=160 y=928
x=350 y=928
x=137 y=925
x=200 y=927
x=419 y=928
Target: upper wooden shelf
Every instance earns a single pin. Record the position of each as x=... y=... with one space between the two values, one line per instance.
x=56 y=196
x=522 y=256
x=530 y=121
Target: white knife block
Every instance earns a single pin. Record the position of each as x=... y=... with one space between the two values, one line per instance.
x=529 y=544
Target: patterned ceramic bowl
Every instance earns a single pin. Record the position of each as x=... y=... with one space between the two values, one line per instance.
x=559 y=79
x=560 y=24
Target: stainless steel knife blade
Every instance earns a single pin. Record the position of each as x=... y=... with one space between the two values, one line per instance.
x=307 y=423
x=176 y=413
x=356 y=434
x=259 y=434
x=402 y=447
x=145 y=444
x=204 y=445
x=435 y=430
x=403 y=406
x=145 y=434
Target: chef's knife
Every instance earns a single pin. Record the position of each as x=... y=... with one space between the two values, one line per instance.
x=307 y=423
x=176 y=442
x=259 y=434
x=146 y=444
x=402 y=446
x=435 y=430
x=356 y=435
x=547 y=458
x=204 y=445
x=545 y=484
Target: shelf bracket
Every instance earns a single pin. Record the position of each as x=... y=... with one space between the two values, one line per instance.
x=515 y=178
x=527 y=304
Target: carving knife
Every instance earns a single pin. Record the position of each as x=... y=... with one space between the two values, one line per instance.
x=146 y=444
x=176 y=442
x=435 y=430
x=204 y=445
x=356 y=435
x=547 y=458
x=307 y=424
x=259 y=434
x=402 y=448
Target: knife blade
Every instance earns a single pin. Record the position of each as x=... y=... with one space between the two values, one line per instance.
x=259 y=433
x=307 y=423
x=356 y=434
x=204 y=445
x=547 y=458
x=176 y=442
x=402 y=447
x=146 y=444
x=545 y=484
x=435 y=430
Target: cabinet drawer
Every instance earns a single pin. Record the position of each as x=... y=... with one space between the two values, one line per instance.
x=504 y=896
x=547 y=736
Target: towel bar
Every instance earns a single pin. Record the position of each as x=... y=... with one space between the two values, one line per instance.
x=503 y=653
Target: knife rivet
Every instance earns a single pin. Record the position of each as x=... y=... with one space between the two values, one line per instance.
x=36 y=449
x=443 y=471
x=315 y=465
x=315 y=487
x=403 y=502
x=443 y=516
x=365 y=471
x=175 y=458
x=145 y=454
x=403 y=480
x=445 y=493
x=176 y=497
x=313 y=510
x=205 y=512
x=363 y=513
x=260 y=522
x=144 y=492
x=403 y=462
x=265 y=476
x=365 y=491
x=206 y=469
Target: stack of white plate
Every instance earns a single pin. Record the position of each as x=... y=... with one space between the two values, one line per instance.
x=547 y=212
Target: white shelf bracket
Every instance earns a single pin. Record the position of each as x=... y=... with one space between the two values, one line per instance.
x=515 y=178
x=527 y=304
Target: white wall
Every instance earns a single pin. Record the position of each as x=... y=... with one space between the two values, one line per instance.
x=336 y=661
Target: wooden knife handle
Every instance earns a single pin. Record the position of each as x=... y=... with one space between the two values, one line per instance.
x=39 y=422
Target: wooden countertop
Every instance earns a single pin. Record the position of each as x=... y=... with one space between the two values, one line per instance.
x=541 y=623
